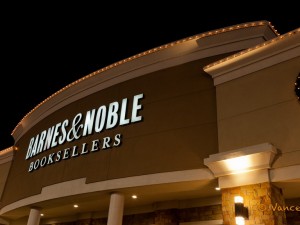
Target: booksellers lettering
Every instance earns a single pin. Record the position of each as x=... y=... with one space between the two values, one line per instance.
x=83 y=124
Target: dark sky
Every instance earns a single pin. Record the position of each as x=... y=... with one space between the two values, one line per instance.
x=44 y=48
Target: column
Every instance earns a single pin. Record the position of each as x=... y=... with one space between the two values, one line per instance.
x=34 y=217
x=116 y=208
x=263 y=201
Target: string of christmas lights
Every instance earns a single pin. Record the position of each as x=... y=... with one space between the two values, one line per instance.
x=297 y=87
x=160 y=48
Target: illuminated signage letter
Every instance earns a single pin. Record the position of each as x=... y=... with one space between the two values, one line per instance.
x=135 y=107
x=56 y=133
x=29 y=148
x=112 y=115
x=100 y=119
x=63 y=136
x=49 y=138
x=41 y=142
x=89 y=122
x=123 y=119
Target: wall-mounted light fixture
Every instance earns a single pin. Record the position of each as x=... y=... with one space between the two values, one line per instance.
x=241 y=212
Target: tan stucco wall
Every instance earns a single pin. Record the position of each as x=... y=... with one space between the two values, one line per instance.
x=178 y=131
x=22 y=221
x=261 y=107
x=4 y=169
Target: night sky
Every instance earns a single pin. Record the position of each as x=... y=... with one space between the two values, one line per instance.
x=49 y=47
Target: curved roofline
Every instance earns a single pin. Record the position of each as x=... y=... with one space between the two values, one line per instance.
x=148 y=53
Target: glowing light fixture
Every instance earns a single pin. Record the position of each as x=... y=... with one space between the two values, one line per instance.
x=75 y=206
x=241 y=212
x=239 y=220
x=134 y=196
x=238 y=199
x=238 y=164
x=246 y=159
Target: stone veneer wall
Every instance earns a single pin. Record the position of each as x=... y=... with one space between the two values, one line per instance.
x=161 y=217
x=293 y=218
x=293 y=215
x=260 y=199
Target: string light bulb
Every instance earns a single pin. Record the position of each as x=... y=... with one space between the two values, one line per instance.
x=297 y=87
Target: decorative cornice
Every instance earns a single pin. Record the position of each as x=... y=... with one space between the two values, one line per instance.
x=274 y=51
x=256 y=157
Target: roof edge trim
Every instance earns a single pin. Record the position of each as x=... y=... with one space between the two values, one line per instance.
x=145 y=53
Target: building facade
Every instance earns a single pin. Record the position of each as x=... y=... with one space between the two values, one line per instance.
x=204 y=130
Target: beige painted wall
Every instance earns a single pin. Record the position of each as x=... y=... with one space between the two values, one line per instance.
x=21 y=221
x=179 y=130
x=261 y=107
x=4 y=169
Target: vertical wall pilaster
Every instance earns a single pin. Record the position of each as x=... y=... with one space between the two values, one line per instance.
x=34 y=217
x=262 y=201
x=116 y=208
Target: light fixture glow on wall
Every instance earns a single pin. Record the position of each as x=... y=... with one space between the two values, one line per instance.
x=241 y=212
x=134 y=196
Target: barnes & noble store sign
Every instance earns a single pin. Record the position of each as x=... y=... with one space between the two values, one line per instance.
x=82 y=125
